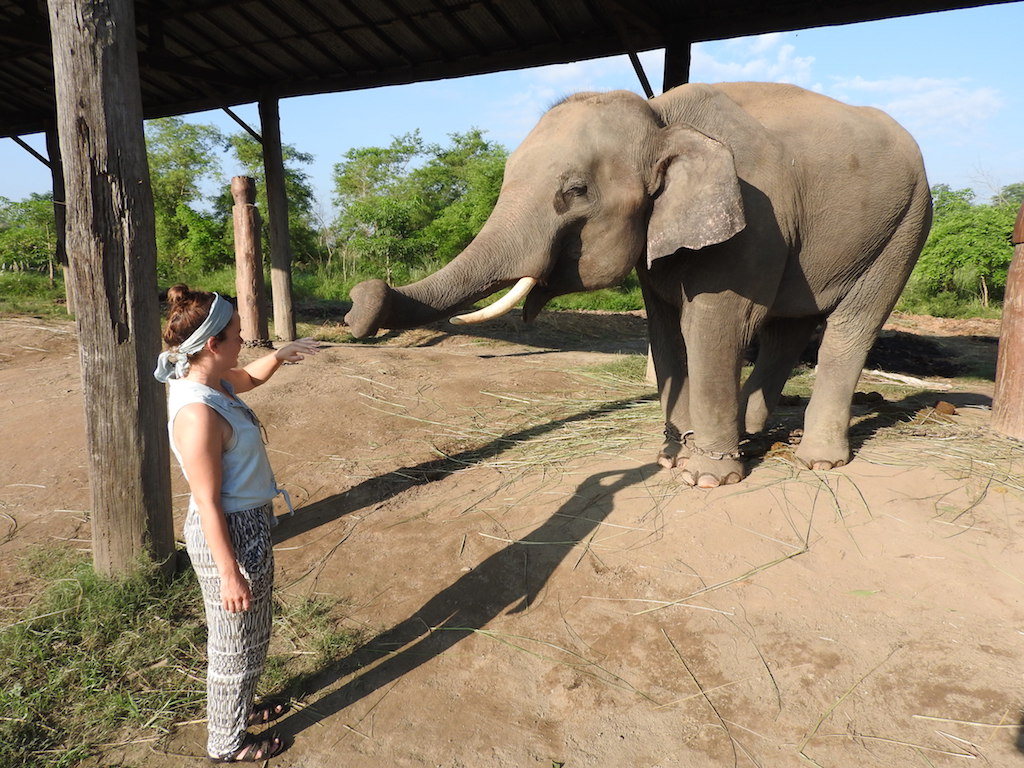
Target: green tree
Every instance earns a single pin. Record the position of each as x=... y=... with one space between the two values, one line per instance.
x=461 y=183
x=303 y=228
x=183 y=158
x=968 y=251
x=28 y=236
x=1012 y=194
x=409 y=205
x=366 y=172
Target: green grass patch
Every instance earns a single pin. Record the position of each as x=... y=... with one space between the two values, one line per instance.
x=93 y=662
x=945 y=304
x=31 y=293
x=630 y=368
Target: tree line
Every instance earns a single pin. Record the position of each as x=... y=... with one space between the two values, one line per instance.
x=403 y=210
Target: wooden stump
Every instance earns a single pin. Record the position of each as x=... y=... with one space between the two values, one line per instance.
x=249 y=263
x=1008 y=402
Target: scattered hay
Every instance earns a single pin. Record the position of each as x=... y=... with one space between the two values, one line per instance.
x=960 y=449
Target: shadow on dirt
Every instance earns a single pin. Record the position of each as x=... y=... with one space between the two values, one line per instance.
x=380 y=489
x=870 y=415
x=510 y=579
x=895 y=351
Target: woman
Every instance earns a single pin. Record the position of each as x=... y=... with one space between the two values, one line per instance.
x=219 y=443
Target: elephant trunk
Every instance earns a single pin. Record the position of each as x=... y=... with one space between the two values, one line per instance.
x=487 y=265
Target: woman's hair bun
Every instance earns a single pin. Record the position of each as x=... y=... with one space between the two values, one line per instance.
x=178 y=294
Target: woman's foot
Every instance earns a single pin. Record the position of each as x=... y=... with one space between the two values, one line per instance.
x=254 y=749
x=268 y=711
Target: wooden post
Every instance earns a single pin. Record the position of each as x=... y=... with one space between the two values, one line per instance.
x=1008 y=401
x=677 y=63
x=111 y=245
x=249 y=263
x=60 y=214
x=277 y=216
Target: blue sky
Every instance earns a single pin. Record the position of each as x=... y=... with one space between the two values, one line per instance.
x=952 y=78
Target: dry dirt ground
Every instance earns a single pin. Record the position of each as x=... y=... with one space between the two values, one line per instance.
x=535 y=592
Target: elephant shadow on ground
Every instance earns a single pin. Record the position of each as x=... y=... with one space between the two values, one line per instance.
x=551 y=331
x=508 y=580
x=379 y=489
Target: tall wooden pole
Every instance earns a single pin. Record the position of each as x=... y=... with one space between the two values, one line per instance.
x=677 y=63
x=60 y=214
x=111 y=245
x=277 y=216
x=1008 y=400
x=249 y=263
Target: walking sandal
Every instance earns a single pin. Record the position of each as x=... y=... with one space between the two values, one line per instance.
x=254 y=749
x=268 y=711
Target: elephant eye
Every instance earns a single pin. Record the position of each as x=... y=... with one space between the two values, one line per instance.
x=570 y=190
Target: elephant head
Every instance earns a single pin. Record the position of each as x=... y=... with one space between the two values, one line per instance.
x=600 y=181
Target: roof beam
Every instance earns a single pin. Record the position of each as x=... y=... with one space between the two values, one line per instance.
x=376 y=31
x=161 y=61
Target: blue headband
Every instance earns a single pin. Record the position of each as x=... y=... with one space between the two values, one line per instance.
x=173 y=364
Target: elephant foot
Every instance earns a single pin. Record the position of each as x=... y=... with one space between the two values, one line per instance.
x=708 y=472
x=822 y=464
x=820 y=458
x=674 y=453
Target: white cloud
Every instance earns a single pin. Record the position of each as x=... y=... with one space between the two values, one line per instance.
x=760 y=43
x=764 y=57
x=537 y=89
x=953 y=108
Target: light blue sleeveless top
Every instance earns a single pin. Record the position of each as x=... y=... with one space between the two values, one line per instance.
x=247 y=481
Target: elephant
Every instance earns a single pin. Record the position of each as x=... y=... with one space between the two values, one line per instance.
x=746 y=209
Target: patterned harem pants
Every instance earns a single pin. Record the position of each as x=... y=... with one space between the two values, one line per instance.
x=237 y=642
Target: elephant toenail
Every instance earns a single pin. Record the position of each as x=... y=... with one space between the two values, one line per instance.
x=708 y=481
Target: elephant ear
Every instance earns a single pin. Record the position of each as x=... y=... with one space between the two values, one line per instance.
x=697 y=194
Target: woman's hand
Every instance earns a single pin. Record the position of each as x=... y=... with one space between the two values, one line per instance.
x=261 y=369
x=235 y=593
x=296 y=350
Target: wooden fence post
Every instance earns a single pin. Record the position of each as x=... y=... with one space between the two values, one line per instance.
x=249 y=263
x=1008 y=401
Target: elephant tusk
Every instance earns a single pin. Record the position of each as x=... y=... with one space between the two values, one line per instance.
x=501 y=306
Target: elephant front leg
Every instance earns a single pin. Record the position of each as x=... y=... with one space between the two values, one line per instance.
x=713 y=446
x=714 y=368
x=668 y=354
x=674 y=389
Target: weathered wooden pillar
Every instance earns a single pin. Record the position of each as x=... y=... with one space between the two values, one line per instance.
x=677 y=63
x=249 y=263
x=1008 y=401
x=277 y=216
x=60 y=214
x=111 y=245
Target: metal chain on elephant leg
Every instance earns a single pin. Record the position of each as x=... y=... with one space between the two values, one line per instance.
x=695 y=450
x=672 y=433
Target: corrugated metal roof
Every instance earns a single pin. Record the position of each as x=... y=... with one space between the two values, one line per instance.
x=214 y=53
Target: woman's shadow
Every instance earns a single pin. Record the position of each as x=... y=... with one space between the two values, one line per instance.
x=509 y=579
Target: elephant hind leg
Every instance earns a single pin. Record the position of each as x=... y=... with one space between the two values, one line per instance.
x=781 y=340
x=850 y=332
